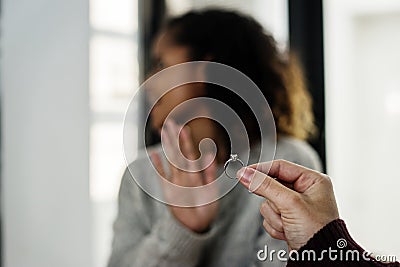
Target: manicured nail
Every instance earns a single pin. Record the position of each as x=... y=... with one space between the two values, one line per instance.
x=245 y=174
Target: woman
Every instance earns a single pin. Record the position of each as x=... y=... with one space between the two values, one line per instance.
x=227 y=232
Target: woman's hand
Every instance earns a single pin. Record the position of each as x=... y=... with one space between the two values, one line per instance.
x=184 y=171
x=297 y=206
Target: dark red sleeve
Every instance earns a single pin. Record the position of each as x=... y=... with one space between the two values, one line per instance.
x=333 y=246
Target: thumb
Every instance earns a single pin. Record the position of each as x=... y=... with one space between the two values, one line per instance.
x=265 y=186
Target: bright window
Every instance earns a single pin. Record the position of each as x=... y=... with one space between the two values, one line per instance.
x=113 y=78
x=363 y=117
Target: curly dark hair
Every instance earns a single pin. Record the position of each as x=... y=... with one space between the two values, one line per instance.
x=239 y=41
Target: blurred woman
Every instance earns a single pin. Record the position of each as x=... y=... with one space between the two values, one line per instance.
x=227 y=232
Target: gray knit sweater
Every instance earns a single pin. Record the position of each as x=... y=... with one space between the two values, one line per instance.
x=146 y=234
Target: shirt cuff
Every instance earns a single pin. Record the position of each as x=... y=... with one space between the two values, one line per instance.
x=334 y=235
x=328 y=247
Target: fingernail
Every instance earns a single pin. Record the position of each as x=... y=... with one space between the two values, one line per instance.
x=245 y=174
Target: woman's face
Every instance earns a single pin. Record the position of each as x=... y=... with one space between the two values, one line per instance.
x=165 y=54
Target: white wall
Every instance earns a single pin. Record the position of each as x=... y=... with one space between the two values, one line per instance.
x=362 y=40
x=45 y=133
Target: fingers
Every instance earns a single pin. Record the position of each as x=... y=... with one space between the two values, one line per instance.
x=168 y=150
x=273 y=206
x=274 y=233
x=169 y=139
x=182 y=147
x=281 y=169
x=187 y=144
x=263 y=167
x=289 y=173
x=210 y=171
x=264 y=185
x=155 y=158
x=188 y=151
x=272 y=217
x=181 y=154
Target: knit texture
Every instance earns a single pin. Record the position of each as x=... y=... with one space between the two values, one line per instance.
x=333 y=246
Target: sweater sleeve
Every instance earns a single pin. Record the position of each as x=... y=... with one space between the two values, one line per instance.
x=143 y=237
x=333 y=246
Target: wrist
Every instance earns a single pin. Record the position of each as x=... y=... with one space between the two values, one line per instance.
x=328 y=244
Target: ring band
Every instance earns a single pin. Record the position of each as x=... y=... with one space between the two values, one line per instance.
x=232 y=158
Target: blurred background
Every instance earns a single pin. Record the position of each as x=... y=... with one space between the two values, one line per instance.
x=69 y=69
